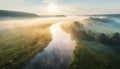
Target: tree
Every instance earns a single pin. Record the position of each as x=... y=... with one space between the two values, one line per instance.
x=78 y=24
x=102 y=38
x=115 y=36
x=115 y=39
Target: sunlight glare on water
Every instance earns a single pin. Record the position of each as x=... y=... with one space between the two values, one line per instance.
x=57 y=54
x=53 y=30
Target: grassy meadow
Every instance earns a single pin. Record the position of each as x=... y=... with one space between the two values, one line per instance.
x=91 y=55
x=20 y=41
x=93 y=50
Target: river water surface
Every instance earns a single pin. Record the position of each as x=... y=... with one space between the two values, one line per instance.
x=57 y=54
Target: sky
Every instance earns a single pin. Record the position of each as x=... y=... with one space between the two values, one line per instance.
x=63 y=7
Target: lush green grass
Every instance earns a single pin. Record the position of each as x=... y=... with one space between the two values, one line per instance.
x=89 y=53
x=19 y=45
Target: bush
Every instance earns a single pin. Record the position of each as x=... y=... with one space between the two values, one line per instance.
x=102 y=38
x=78 y=24
x=115 y=39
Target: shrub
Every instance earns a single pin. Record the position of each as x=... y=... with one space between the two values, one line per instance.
x=115 y=39
x=102 y=38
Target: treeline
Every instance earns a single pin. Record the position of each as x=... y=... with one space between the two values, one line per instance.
x=92 y=55
x=80 y=33
x=101 y=19
x=114 y=39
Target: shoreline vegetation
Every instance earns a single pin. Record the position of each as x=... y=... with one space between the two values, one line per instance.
x=93 y=50
x=19 y=45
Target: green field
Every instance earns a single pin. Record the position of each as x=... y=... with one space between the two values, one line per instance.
x=91 y=55
x=19 y=45
x=93 y=50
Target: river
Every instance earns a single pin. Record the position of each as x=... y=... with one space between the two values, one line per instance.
x=57 y=54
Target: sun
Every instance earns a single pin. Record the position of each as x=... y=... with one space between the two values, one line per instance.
x=52 y=8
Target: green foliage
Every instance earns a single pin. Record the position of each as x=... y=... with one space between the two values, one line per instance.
x=77 y=33
x=89 y=55
x=102 y=38
x=78 y=24
x=115 y=36
x=92 y=53
x=115 y=39
x=19 y=45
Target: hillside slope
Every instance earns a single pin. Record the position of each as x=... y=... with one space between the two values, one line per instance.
x=7 y=13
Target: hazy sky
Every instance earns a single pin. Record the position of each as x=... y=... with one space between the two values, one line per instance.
x=68 y=7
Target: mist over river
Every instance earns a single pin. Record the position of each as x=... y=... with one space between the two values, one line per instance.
x=57 y=54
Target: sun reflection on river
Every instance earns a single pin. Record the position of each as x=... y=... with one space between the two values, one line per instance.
x=57 y=54
x=53 y=30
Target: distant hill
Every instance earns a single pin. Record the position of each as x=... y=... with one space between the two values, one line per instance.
x=7 y=13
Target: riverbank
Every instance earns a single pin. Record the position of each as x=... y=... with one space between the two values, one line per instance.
x=21 y=41
x=57 y=54
x=90 y=54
